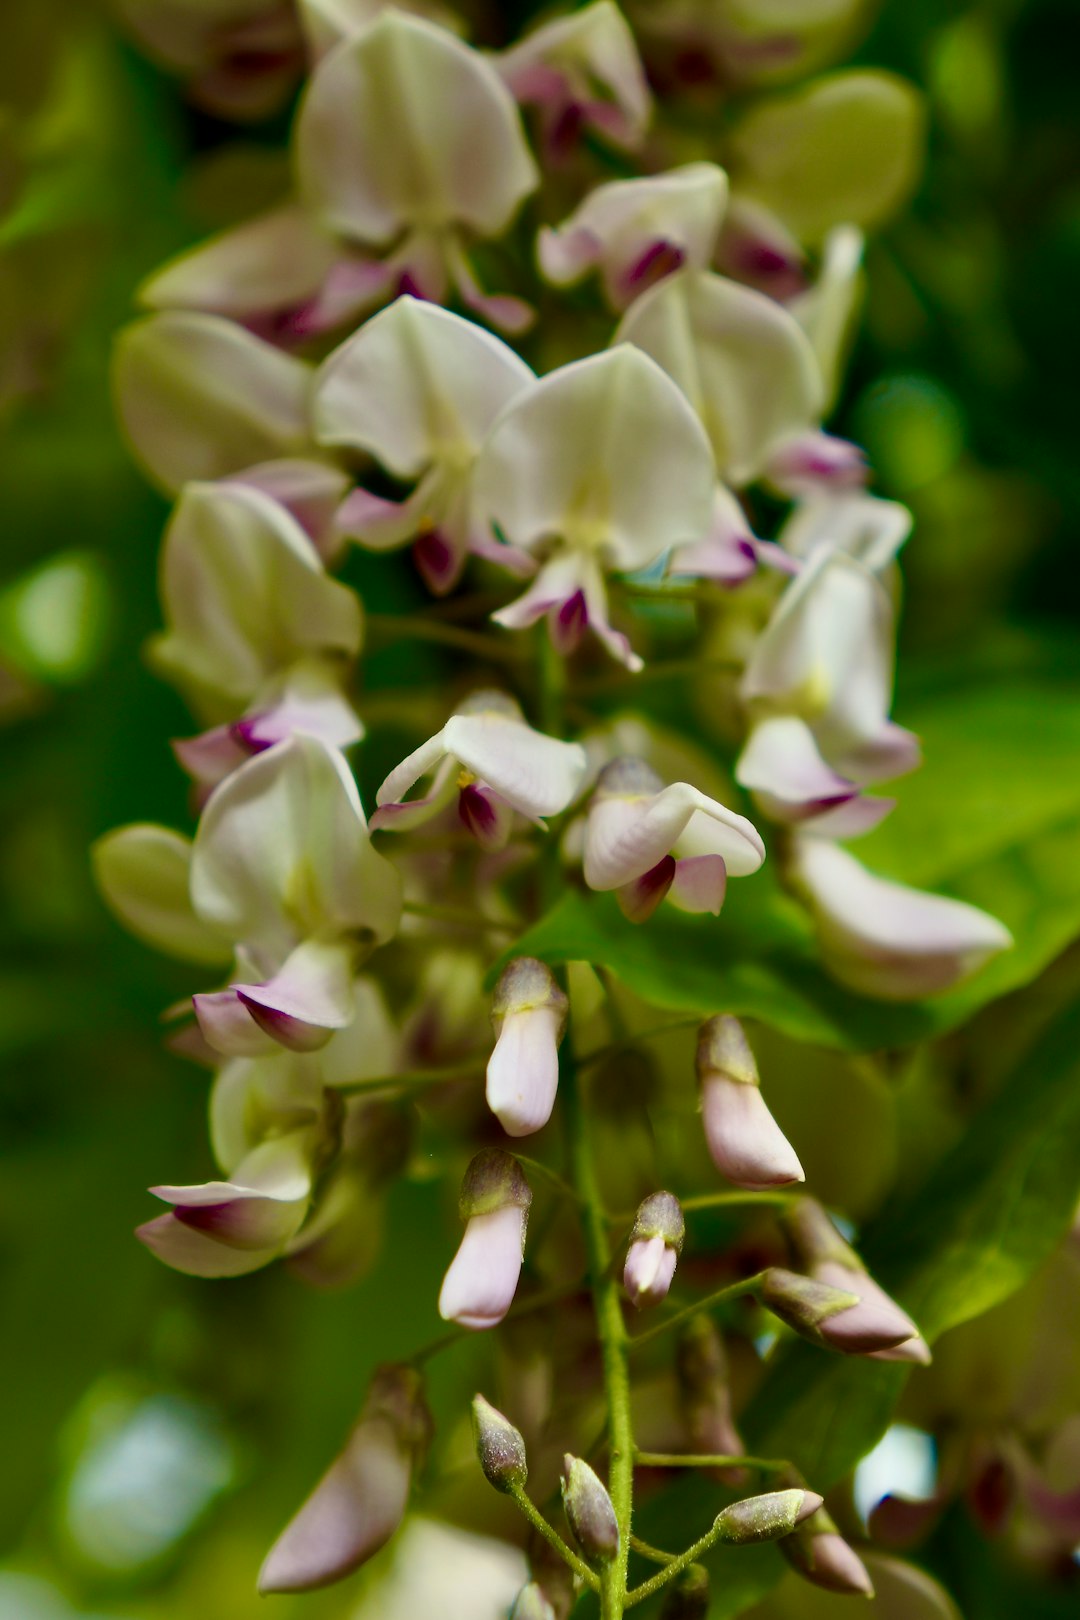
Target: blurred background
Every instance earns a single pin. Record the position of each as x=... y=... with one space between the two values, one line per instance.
x=157 y=1431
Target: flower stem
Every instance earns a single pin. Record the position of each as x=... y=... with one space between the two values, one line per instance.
x=675 y=1459
x=611 y=1331
x=748 y=1285
x=676 y=1567
x=387 y=628
x=553 y=1539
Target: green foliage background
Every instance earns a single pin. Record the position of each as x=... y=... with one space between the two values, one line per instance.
x=964 y=1161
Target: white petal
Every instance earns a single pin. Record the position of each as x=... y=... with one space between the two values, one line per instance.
x=271 y=263
x=282 y=853
x=309 y=998
x=745 y=1142
x=197 y=1254
x=883 y=938
x=536 y=774
x=605 y=454
x=620 y=224
x=523 y=1070
x=412 y=768
x=415 y=385
x=699 y=884
x=245 y=595
x=144 y=874
x=200 y=397
x=592 y=50
x=627 y=836
x=479 y=1287
x=781 y=765
x=827 y=311
x=311 y=490
x=742 y=361
x=869 y=529
x=458 y=152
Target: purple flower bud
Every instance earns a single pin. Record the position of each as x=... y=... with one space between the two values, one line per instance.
x=830 y=1315
x=688 y=1596
x=529 y=1016
x=745 y=1142
x=499 y=1447
x=767 y=1517
x=361 y=1500
x=655 y=1245
x=823 y=1557
x=479 y=1287
x=876 y=1324
x=589 y=1511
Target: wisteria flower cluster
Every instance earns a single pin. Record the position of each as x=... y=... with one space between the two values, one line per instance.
x=542 y=337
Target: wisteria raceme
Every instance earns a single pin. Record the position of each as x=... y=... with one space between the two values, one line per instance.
x=381 y=944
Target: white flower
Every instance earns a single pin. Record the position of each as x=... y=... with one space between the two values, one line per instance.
x=581 y=71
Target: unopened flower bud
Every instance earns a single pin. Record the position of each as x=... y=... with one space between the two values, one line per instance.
x=531 y=1604
x=655 y=1245
x=829 y=1315
x=589 y=1511
x=361 y=1500
x=479 y=1287
x=876 y=1323
x=499 y=1447
x=820 y=1554
x=745 y=1142
x=528 y=1013
x=705 y=1397
x=765 y=1518
x=688 y=1595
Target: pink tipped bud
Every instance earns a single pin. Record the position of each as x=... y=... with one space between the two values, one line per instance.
x=823 y=1557
x=499 y=1446
x=688 y=1596
x=529 y=1017
x=767 y=1517
x=830 y=1315
x=876 y=1325
x=745 y=1142
x=655 y=1245
x=361 y=1500
x=589 y=1512
x=479 y=1287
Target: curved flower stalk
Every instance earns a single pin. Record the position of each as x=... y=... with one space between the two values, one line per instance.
x=818 y=688
x=375 y=217
x=601 y=466
x=256 y=629
x=649 y=842
x=493 y=764
x=302 y=915
x=635 y=232
x=582 y=72
x=418 y=388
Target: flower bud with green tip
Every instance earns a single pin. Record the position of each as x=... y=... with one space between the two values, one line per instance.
x=745 y=1142
x=479 y=1286
x=765 y=1518
x=589 y=1511
x=655 y=1245
x=688 y=1595
x=500 y=1447
x=820 y=1554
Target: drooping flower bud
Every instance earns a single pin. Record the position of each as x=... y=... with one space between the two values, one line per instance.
x=701 y=1367
x=528 y=1014
x=688 y=1595
x=655 y=1246
x=745 y=1142
x=820 y=1554
x=765 y=1518
x=531 y=1604
x=877 y=1323
x=500 y=1447
x=361 y=1500
x=589 y=1511
x=479 y=1287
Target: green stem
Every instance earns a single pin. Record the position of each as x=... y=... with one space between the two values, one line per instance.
x=669 y=1571
x=387 y=628
x=748 y=1285
x=552 y=1177
x=553 y=1539
x=735 y=1200
x=675 y=1459
x=655 y=1555
x=459 y=917
x=415 y=1077
x=611 y=1331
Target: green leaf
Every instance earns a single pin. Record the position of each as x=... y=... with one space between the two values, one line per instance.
x=988 y=1214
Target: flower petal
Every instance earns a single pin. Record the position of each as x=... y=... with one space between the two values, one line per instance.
x=199 y=397
x=741 y=360
x=458 y=153
x=745 y=1142
x=308 y=999
x=523 y=1070
x=197 y=1254
x=587 y=61
x=867 y=528
x=479 y=1287
x=311 y=490
x=629 y=832
x=699 y=884
x=780 y=764
x=144 y=875
x=535 y=774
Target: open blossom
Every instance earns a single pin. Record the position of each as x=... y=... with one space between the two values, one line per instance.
x=479 y=1287
x=375 y=216
x=301 y=911
x=582 y=72
x=418 y=388
x=647 y=841
x=600 y=466
x=635 y=232
x=745 y=1142
x=361 y=1499
x=818 y=686
x=528 y=1012
x=493 y=763
x=883 y=938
